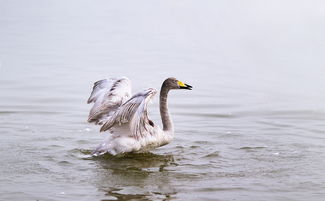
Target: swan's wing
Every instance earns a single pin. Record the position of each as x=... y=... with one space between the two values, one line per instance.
x=107 y=95
x=134 y=113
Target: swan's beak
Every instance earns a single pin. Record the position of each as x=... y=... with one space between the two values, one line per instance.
x=182 y=85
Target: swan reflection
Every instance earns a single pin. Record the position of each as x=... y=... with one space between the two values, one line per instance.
x=135 y=176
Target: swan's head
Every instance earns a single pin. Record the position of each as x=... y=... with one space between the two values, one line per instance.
x=173 y=83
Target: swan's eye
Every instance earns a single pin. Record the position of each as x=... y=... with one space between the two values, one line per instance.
x=181 y=84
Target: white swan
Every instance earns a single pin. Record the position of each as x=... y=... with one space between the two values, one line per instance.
x=126 y=117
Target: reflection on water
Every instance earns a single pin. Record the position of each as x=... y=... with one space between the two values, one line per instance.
x=137 y=161
x=135 y=176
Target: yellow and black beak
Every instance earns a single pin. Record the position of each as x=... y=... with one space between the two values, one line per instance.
x=182 y=85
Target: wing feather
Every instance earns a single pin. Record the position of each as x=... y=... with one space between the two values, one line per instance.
x=134 y=113
x=108 y=95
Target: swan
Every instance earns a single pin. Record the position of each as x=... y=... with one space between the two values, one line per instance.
x=126 y=117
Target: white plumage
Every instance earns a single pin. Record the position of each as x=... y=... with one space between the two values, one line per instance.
x=126 y=118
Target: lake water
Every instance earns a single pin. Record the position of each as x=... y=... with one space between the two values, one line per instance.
x=252 y=128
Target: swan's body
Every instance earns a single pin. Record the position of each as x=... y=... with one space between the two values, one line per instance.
x=126 y=117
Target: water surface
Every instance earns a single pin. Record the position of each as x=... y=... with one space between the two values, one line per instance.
x=251 y=129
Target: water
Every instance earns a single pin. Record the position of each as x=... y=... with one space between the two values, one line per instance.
x=252 y=128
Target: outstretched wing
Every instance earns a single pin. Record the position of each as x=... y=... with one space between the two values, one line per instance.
x=107 y=96
x=134 y=114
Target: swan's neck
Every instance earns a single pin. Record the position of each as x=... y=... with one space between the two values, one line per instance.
x=165 y=117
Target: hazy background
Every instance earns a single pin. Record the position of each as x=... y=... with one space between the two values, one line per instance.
x=251 y=129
